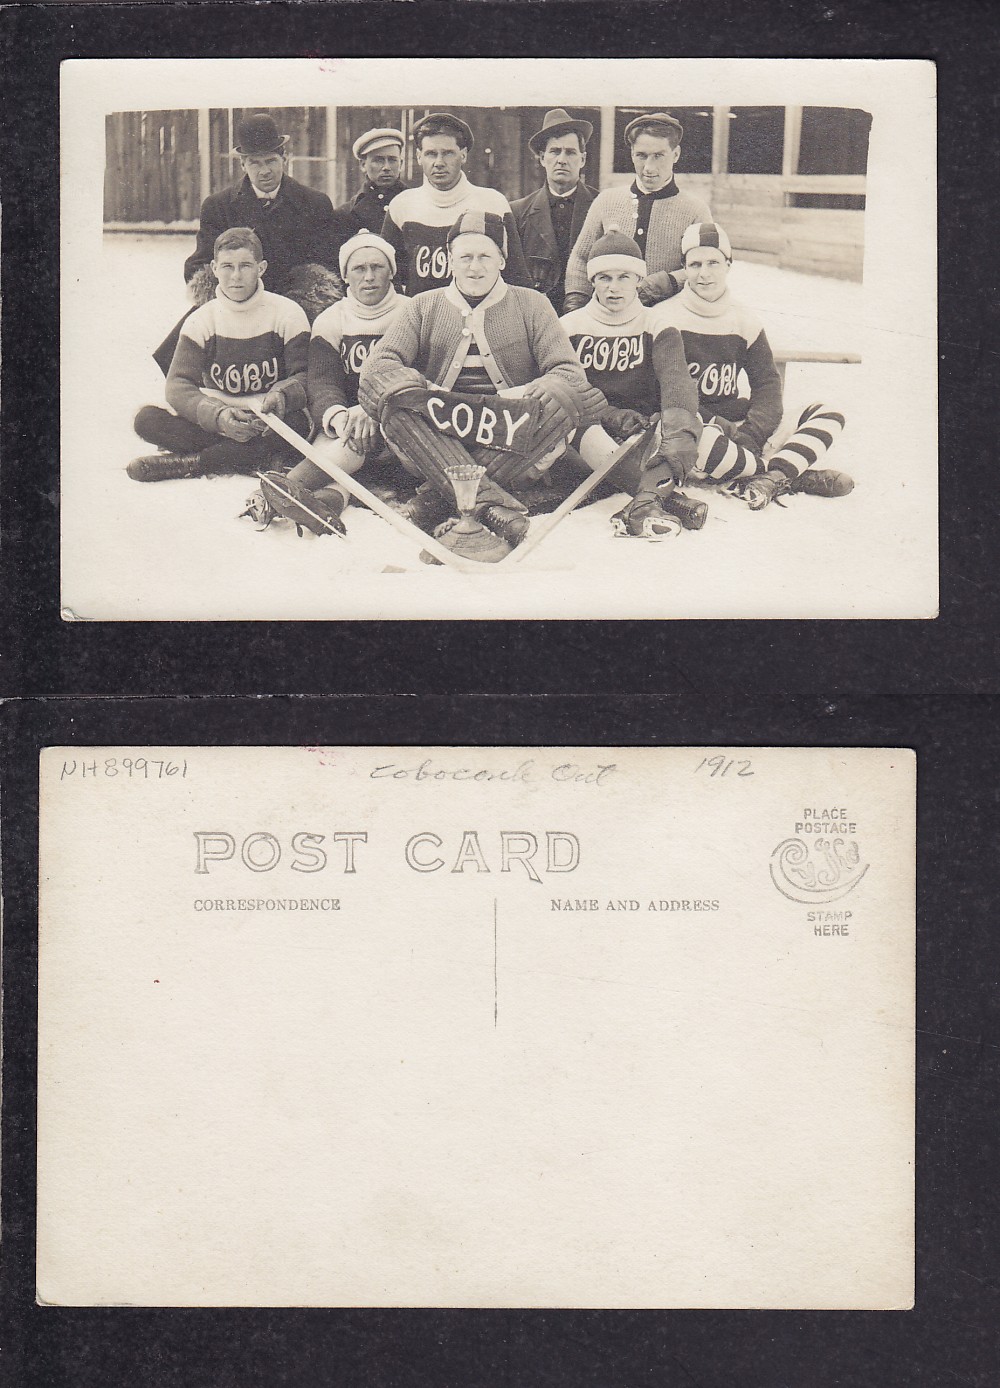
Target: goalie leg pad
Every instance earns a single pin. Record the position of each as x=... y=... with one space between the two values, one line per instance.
x=419 y=446
x=548 y=442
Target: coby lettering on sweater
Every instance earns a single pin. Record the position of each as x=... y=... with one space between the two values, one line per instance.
x=418 y=220
x=723 y=339
x=229 y=351
x=342 y=337
x=615 y=348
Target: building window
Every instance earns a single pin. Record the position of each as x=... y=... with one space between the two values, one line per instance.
x=834 y=141
x=756 y=139
x=696 y=146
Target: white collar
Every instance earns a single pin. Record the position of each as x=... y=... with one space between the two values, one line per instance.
x=266 y=197
x=452 y=196
x=702 y=307
x=232 y=306
x=455 y=297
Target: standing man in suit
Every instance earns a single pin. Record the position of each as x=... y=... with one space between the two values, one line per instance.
x=299 y=231
x=296 y=225
x=380 y=155
x=549 y=220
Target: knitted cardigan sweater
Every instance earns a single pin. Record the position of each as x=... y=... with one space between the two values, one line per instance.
x=228 y=351
x=619 y=207
x=515 y=331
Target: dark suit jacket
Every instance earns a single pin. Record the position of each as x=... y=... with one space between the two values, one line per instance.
x=538 y=240
x=301 y=228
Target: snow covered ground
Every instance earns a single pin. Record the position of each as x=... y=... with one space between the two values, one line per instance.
x=175 y=550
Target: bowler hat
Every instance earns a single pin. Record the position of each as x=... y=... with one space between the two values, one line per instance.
x=257 y=134
x=559 y=122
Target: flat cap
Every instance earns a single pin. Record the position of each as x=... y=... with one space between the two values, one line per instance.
x=453 y=124
x=379 y=138
x=657 y=118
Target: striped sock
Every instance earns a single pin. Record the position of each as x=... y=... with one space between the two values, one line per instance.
x=818 y=430
x=723 y=460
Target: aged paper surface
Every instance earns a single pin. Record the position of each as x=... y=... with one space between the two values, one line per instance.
x=594 y=1027
x=152 y=137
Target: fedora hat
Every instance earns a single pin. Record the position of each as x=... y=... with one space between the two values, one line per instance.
x=257 y=134
x=555 y=123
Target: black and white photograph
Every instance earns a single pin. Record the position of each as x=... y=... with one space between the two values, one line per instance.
x=595 y=339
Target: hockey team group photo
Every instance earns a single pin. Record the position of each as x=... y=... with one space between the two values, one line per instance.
x=614 y=345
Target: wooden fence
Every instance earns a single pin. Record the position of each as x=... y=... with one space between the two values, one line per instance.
x=153 y=173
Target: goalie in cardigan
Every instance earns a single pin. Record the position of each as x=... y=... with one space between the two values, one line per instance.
x=478 y=337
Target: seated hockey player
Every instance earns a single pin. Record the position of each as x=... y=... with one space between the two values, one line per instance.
x=638 y=363
x=477 y=336
x=724 y=340
x=246 y=347
x=342 y=337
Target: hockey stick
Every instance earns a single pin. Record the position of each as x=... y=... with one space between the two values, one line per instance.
x=361 y=493
x=537 y=534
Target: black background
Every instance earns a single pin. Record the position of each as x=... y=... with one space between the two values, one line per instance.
x=929 y=685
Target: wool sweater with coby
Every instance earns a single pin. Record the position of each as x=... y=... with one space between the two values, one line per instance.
x=512 y=334
x=722 y=340
x=655 y=221
x=418 y=220
x=342 y=337
x=228 y=351
x=615 y=348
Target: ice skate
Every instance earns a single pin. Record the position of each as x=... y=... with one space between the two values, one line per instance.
x=644 y=518
x=508 y=524
x=259 y=509
x=317 y=512
x=691 y=514
x=759 y=492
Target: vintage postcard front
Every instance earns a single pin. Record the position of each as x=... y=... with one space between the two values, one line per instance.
x=476 y=1027
x=740 y=251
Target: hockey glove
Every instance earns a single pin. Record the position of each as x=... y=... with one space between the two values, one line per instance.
x=623 y=424
x=238 y=424
x=680 y=452
x=274 y=403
